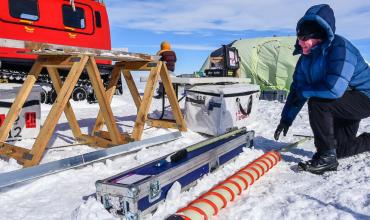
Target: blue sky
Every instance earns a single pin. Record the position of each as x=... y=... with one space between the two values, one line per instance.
x=195 y=28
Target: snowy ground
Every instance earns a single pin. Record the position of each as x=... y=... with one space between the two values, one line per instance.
x=282 y=193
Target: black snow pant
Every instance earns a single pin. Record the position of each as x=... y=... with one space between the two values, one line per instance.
x=335 y=123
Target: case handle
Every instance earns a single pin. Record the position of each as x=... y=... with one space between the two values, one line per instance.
x=249 y=107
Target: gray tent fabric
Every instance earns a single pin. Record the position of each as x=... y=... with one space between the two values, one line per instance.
x=268 y=62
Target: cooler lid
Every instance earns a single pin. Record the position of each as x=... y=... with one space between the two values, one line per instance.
x=228 y=89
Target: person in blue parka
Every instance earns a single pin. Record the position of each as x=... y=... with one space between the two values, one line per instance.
x=335 y=79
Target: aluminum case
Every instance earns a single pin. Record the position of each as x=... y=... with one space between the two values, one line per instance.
x=138 y=191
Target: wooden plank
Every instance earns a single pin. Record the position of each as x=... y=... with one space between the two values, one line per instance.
x=106 y=135
x=99 y=54
x=18 y=153
x=137 y=65
x=132 y=87
x=103 y=134
x=65 y=92
x=20 y=99
x=95 y=141
x=171 y=95
x=60 y=61
x=145 y=104
x=162 y=123
x=104 y=104
x=40 y=47
x=68 y=111
x=64 y=66
x=111 y=89
x=56 y=60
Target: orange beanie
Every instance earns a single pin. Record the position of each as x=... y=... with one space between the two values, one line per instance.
x=165 y=45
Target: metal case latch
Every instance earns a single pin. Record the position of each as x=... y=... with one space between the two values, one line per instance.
x=154 y=190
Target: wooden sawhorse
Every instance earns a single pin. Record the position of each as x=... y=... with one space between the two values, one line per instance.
x=76 y=64
x=157 y=69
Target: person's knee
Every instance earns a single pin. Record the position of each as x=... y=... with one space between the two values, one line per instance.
x=355 y=146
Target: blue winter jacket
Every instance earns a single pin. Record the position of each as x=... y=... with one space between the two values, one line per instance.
x=331 y=68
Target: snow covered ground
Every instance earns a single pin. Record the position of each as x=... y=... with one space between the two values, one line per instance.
x=283 y=193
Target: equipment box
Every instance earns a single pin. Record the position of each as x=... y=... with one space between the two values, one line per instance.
x=225 y=64
x=217 y=109
x=140 y=190
x=28 y=122
x=279 y=95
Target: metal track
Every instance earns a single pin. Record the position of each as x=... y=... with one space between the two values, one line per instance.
x=22 y=175
x=15 y=75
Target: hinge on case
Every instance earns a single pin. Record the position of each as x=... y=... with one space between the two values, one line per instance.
x=154 y=190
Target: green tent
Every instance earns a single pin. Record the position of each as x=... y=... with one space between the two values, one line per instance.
x=268 y=62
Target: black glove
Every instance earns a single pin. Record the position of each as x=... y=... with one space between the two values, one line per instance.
x=281 y=127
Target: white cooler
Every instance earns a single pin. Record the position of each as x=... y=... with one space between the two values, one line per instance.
x=217 y=109
x=27 y=124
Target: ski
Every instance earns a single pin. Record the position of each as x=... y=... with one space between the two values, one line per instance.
x=293 y=145
x=25 y=174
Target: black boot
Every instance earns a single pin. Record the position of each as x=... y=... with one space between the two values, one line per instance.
x=321 y=162
x=160 y=91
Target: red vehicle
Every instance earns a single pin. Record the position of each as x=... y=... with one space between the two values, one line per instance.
x=82 y=23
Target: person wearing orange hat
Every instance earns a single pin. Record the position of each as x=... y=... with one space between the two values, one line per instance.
x=169 y=57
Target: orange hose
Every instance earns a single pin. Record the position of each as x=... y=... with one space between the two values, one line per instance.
x=210 y=203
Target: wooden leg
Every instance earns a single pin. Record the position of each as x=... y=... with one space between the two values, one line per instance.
x=65 y=92
x=116 y=73
x=18 y=153
x=142 y=114
x=20 y=100
x=171 y=95
x=68 y=111
x=104 y=104
x=132 y=87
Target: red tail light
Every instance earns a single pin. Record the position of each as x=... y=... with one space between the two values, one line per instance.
x=2 y=118
x=30 y=119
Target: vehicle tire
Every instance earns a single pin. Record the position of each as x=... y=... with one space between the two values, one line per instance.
x=43 y=96
x=52 y=96
x=79 y=94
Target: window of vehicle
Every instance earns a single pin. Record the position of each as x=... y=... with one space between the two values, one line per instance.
x=24 y=9
x=98 y=19
x=73 y=18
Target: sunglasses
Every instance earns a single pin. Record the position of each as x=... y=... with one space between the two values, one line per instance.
x=306 y=37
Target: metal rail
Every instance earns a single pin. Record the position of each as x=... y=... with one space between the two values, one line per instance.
x=25 y=174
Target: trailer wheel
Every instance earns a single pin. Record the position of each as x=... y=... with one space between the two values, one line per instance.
x=91 y=98
x=52 y=96
x=79 y=94
x=43 y=96
x=118 y=91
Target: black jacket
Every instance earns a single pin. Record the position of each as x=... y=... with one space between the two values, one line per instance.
x=170 y=58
